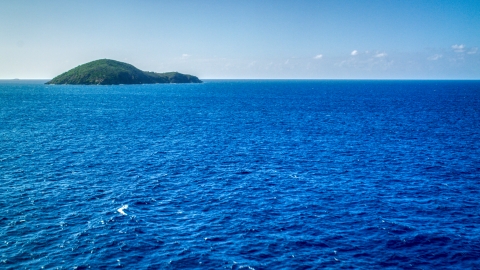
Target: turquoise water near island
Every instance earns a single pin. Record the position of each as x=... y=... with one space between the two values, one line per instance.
x=231 y=174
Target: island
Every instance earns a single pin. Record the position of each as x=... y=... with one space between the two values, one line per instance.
x=110 y=72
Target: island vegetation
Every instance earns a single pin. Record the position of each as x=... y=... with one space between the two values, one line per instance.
x=108 y=72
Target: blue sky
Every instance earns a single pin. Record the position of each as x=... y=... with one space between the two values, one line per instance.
x=409 y=39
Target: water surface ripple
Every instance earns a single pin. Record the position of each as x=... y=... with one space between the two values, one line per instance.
x=241 y=174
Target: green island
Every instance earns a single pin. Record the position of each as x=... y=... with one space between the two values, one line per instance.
x=108 y=72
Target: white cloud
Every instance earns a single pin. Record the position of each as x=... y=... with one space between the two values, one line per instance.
x=435 y=57
x=318 y=56
x=458 y=48
x=473 y=50
x=354 y=52
x=286 y=62
x=251 y=64
x=185 y=56
x=377 y=62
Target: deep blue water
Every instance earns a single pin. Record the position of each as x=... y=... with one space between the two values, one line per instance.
x=241 y=174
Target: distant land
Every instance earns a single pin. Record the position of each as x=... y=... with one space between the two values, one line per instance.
x=108 y=72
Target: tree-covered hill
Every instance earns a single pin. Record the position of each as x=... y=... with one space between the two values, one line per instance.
x=106 y=72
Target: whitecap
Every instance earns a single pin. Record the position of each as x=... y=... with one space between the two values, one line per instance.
x=120 y=210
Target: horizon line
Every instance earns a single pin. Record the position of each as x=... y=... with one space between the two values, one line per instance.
x=317 y=79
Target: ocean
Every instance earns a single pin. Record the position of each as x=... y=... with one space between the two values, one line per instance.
x=241 y=174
